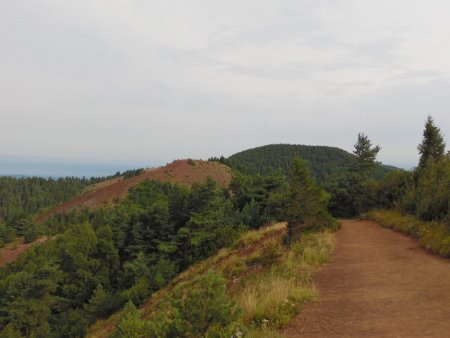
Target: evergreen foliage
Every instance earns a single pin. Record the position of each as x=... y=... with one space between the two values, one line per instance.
x=327 y=164
x=259 y=199
x=425 y=192
x=366 y=155
x=432 y=147
x=355 y=192
x=23 y=197
x=306 y=202
x=107 y=257
x=192 y=308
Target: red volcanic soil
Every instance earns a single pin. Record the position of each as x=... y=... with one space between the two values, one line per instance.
x=181 y=172
x=10 y=252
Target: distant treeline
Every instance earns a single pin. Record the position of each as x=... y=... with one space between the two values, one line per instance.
x=21 y=198
x=24 y=197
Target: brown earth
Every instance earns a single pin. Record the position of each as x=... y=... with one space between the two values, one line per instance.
x=181 y=172
x=11 y=251
x=380 y=284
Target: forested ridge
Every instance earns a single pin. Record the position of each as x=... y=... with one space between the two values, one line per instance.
x=326 y=163
x=24 y=197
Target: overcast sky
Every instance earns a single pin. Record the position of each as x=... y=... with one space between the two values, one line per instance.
x=151 y=81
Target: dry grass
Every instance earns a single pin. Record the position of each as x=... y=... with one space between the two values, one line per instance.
x=255 y=236
x=271 y=299
x=314 y=249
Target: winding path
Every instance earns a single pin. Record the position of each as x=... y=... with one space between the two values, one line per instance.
x=380 y=284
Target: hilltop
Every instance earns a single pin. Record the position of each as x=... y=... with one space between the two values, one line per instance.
x=325 y=162
x=183 y=172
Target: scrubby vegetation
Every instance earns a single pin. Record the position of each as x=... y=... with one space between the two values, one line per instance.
x=239 y=292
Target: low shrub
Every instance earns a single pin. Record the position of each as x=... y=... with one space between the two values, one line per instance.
x=193 y=307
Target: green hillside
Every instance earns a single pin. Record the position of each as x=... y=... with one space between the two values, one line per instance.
x=325 y=162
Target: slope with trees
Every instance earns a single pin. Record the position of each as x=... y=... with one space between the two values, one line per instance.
x=181 y=171
x=22 y=198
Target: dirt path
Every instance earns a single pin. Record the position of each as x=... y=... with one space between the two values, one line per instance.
x=380 y=284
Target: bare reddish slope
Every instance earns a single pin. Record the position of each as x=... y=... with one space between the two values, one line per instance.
x=11 y=251
x=181 y=172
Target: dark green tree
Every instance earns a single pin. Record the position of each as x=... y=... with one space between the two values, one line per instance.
x=432 y=146
x=366 y=155
x=98 y=305
x=356 y=192
x=306 y=202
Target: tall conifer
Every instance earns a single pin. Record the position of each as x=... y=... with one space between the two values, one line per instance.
x=433 y=145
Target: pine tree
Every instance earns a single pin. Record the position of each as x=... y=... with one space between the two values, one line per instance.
x=96 y=307
x=433 y=145
x=358 y=181
x=366 y=155
x=307 y=202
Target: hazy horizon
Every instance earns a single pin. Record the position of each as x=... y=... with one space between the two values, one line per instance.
x=60 y=167
x=118 y=83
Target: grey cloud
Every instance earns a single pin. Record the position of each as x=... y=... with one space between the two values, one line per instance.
x=137 y=80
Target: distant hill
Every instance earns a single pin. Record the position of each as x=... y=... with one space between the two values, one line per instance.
x=324 y=162
x=184 y=172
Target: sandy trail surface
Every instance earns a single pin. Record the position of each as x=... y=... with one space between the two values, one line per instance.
x=380 y=284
